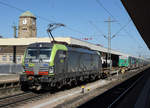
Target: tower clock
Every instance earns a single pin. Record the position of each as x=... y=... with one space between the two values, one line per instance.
x=27 y=25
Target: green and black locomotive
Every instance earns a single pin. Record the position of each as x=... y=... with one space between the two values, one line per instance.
x=52 y=65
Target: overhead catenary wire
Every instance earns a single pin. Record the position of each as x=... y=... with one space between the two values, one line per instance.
x=122 y=28
x=11 y=6
x=101 y=5
x=100 y=31
x=22 y=10
x=108 y=12
x=48 y=20
x=119 y=6
x=115 y=3
x=40 y=17
x=79 y=32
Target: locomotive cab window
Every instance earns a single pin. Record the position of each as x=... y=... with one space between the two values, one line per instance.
x=38 y=53
x=32 y=53
x=44 y=53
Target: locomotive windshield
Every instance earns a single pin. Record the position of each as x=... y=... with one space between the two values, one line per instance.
x=38 y=53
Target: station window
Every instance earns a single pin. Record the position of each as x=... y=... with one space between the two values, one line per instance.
x=18 y=58
x=10 y=58
x=4 y=58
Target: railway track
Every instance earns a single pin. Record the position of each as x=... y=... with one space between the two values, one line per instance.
x=113 y=96
x=25 y=97
x=19 y=99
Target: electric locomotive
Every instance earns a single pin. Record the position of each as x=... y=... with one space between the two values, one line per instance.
x=52 y=65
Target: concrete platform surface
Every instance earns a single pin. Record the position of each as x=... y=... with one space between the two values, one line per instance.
x=54 y=99
x=9 y=78
x=139 y=96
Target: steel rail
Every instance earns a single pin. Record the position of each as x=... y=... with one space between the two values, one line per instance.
x=6 y=97
x=126 y=91
x=17 y=98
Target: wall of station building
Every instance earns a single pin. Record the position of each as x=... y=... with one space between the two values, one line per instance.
x=7 y=58
x=6 y=54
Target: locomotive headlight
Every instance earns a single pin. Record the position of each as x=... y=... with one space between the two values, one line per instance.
x=51 y=70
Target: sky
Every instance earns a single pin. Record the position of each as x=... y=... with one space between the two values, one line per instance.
x=82 y=19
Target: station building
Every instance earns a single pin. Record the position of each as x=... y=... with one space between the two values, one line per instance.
x=27 y=34
x=26 y=29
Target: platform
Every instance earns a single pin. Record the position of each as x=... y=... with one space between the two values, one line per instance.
x=139 y=96
x=9 y=78
x=136 y=97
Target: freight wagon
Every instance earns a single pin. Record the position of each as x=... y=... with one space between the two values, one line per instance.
x=131 y=62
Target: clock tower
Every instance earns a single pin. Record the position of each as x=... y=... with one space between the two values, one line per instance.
x=27 y=25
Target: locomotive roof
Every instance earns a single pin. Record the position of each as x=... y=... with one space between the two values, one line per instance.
x=40 y=44
x=82 y=50
x=70 y=47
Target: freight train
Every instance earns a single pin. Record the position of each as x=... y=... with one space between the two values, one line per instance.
x=131 y=62
x=52 y=65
